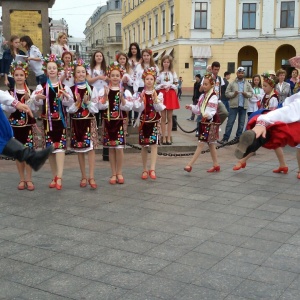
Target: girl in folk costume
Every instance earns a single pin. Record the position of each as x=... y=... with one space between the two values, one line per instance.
x=115 y=105
x=66 y=75
x=127 y=81
x=84 y=136
x=269 y=103
x=149 y=106
x=275 y=129
x=146 y=62
x=167 y=84
x=96 y=76
x=207 y=108
x=24 y=126
x=53 y=98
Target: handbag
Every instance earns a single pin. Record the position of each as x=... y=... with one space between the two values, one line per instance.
x=209 y=131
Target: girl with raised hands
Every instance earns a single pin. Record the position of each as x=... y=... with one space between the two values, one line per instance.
x=54 y=97
x=149 y=105
x=24 y=125
x=84 y=135
x=115 y=105
x=207 y=108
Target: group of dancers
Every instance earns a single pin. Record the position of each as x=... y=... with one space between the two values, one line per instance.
x=81 y=90
x=132 y=83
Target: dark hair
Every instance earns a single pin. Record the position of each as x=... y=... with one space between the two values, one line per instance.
x=27 y=40
x=198 y=75
x=215 y=64
x=254 y=76
x=93 y=61
x=226 y=73
x=138 y=53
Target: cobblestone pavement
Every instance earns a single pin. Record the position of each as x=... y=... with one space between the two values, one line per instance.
x=227 y=235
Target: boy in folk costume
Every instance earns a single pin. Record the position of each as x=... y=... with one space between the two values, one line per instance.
x=115 y=104
x=149 y=105
x=54 y=97
x=84 y=135
x=11 y=147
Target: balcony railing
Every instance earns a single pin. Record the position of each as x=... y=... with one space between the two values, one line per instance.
x=114 y=39
x=99 y=42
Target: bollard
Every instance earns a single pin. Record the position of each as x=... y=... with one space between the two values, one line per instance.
x=174 y=125
x=105 y=154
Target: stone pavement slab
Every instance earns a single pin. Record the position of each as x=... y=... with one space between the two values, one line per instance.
x=228 y=235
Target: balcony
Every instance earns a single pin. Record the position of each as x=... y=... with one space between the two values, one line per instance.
x=114 y=39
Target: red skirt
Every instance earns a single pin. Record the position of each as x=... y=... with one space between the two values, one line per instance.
x=281 y=134
x=170 y=99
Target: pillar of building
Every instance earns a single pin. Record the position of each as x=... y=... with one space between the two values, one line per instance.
x=230 y=24
x=27 y=17
x=268 y=11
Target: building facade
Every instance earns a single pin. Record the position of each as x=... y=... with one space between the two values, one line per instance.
x=103 y=30
x=257 y=34
x=57 y=26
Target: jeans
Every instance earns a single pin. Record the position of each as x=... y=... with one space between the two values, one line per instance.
x=226 y=103
x=233 y=112
x=41 y=79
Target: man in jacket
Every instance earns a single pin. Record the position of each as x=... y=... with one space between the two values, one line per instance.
x=238 y=93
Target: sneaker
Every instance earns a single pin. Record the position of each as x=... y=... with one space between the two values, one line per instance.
x=235 y=140
x=190 y=119
x=222 y=142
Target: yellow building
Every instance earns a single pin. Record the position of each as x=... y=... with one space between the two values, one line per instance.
x=259 y=35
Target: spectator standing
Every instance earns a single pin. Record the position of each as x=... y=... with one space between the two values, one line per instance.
x=61 y=45
x=282 y=88
x=3 y=46
x=293 y=80
x=225 y=100
x=34 y=59
x=196 y=94
x=238 y=91
x=179 y=88
x=8 y=56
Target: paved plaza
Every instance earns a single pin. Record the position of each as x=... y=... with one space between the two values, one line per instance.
x=227 y=235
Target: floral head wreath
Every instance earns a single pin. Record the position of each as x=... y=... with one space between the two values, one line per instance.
x=52 y=58
x=79 y=62
x=209 y=76
x=149 y=71
x=149 y=51
x=114 y=66
x=268 y=79
x=18 y=65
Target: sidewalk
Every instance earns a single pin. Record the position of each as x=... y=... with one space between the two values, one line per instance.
x=227 y=235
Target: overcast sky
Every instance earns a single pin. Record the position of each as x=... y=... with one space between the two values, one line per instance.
x=75 y=12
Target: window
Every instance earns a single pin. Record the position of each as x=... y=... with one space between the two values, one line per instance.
x=249 y=15
x=129 y=37
x=163 y=22
x=171 y=17
x=200 y=15
x=139 y=34
x=150 y=29
x=156 y=26
x=108 y=29
x=144 y=31
x=118 y=29
x=248 y=66
x=117 y=4
x=134 y=35
x=287 y=14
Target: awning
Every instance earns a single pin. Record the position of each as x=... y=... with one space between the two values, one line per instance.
x=201 y=51
x=158 y=55
x=169 y=51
